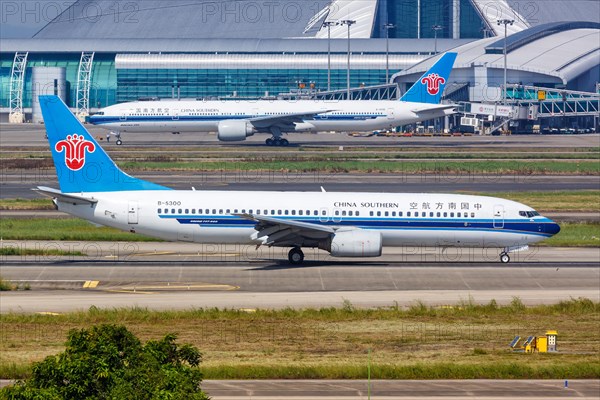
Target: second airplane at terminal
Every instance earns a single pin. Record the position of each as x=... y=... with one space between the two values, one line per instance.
x=236 y=120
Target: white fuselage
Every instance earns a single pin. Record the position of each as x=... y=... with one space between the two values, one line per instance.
x=402 y=219
x=204 y=116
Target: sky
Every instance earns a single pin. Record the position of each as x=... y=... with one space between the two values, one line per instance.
x=23 y=18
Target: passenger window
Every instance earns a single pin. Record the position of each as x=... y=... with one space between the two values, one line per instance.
x=357 y=213
x=172 y=211
x=379 y=213
x=272 y=212
x=431 y=214
x=423 y=214
x=278 y=212
x=193 y=211
x=387 y=213
x=214 y=211
x=179 y=211
x=451 y=215
x=323 y=212
x=228 y=211
x=160 y=211
x=187 y=211
x=300 y=212
x=337 y=212
x=371 y=213
x=286 y=212
x=408 y=214
x=344 y=213
x=445 y=215
x=293 y=212
x=399 y=213
x=472 y=215
x=438 y=214
x=199 y=211
x=350 y=213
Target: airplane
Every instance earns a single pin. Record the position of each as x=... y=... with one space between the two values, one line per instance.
x=345 y=224
x=237 y=120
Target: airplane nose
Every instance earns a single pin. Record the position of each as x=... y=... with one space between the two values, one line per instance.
x=552 y=228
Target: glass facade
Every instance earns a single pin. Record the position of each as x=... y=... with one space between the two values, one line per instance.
x=415 y=18
x=201 y=83
x=104 y=80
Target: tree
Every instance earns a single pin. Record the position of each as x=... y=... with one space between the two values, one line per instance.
x=109 y=362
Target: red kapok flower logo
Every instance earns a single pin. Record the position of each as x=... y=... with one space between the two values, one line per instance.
x=75 y=147
x=433 y=82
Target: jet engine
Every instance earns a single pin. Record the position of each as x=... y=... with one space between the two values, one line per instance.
x=354 y=243
x=233 y=130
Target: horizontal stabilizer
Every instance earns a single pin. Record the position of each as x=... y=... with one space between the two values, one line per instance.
x=67 y=198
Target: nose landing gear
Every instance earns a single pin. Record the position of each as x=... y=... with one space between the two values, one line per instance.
x=504 y=258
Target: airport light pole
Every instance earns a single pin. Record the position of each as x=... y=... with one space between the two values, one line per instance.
x=387 y=51
x=329 y=24
x=435 y=29
x=505 y=22
x=348 y=22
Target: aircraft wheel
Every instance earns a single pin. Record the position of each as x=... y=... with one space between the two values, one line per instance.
x=119 y=142
x=269 y=142
x=284 y=142
x=296 y=256
x=504 y=258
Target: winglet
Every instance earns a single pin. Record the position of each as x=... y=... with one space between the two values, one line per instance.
x=430 y=86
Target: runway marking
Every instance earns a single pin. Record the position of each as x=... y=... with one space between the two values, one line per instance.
x=127 y=291
x=180 y=286
x=90 y=284
x=47 y=313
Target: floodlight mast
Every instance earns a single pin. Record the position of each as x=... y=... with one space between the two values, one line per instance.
x=348 y=22
x=505 y=22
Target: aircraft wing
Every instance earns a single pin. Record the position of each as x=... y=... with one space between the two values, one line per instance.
x=424 y=110
x=284 y=121
x=66 y=197
x=277 y=231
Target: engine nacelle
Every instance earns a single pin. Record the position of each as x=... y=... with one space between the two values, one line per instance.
x=233 y=130
x=354 y=243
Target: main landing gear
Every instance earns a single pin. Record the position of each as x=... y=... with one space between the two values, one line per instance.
x=277 y=141
x=296 y=256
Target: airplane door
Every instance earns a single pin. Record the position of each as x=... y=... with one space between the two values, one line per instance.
x=176 y=116
x=123 y=117
x=498 y=216
x=390 y=113
x=132 y=213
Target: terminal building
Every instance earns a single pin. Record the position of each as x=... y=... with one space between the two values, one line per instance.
x=106 y=52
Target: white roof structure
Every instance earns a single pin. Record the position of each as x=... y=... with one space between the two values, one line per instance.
x=556 y=53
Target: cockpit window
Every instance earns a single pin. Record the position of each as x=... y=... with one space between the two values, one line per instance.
x=99 y=113
x=528 y=214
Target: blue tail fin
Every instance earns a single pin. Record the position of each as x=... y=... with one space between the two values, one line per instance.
x=81 y=164
x=430 y=86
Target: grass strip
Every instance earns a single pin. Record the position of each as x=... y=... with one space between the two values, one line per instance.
x=370 y=166
x=14 y=251
x=26 y=204
x=578 y=200
x=463 y=341
x=63 y=229
x=575 y=235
